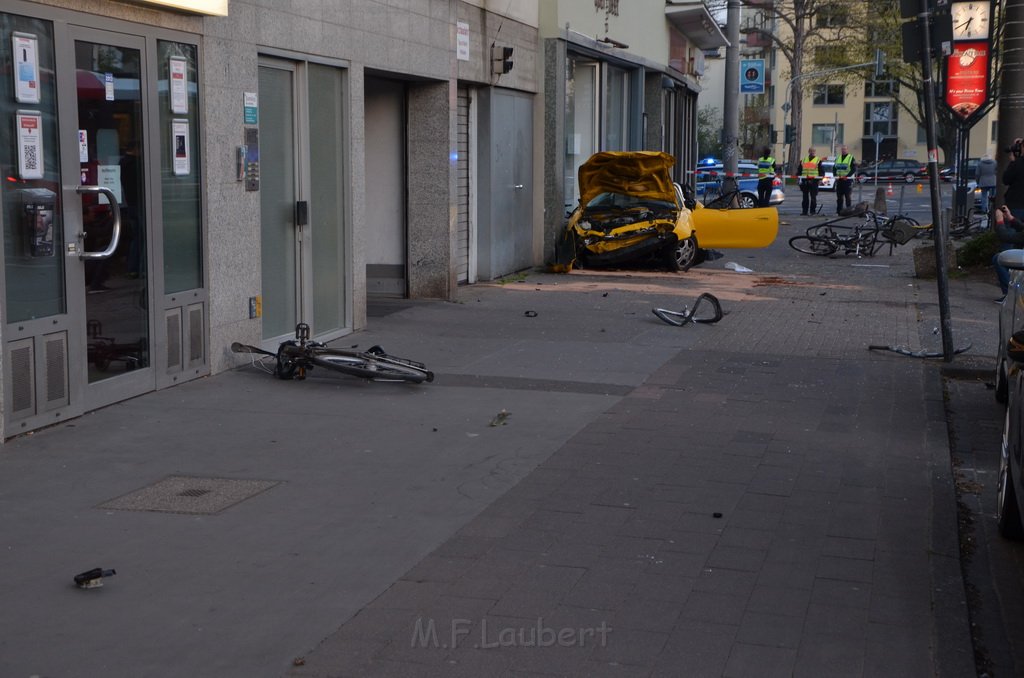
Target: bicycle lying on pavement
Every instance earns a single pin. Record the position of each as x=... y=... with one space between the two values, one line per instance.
x=294 y=358
x=863 y=239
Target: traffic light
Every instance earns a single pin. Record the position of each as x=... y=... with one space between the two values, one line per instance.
x=501 y=60
x=790 y=134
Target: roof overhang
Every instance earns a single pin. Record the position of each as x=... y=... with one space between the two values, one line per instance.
x=696 y=23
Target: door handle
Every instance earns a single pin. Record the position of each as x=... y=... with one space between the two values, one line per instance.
x=115 y=212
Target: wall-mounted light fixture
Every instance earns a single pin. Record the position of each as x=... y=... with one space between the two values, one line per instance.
x=613 y=43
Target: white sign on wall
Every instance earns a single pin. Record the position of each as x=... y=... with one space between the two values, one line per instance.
x=462 y=41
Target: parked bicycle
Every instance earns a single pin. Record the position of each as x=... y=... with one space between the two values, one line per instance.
x=295 y=358
x=863 y=238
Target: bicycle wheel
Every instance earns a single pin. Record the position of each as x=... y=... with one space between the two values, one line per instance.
x=286 y=360
x=367 y=367
x=811 y=245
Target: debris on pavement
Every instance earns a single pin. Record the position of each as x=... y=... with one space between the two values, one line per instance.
x=93 y=578
x=733 y=266
x=680 y=318
x=500 y=418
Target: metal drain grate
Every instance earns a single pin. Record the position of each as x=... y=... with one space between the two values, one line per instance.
x=189 y=494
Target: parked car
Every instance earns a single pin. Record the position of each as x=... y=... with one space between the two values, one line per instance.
x=631 y=211
x=710 y=173
x=949 y=173
x=1009 y=389
x=903 y=169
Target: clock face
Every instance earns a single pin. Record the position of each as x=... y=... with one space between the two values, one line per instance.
x=970 y=20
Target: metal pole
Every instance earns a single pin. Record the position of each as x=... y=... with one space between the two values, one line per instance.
x=730 y=105
x=941 y=274
x=1011 y=89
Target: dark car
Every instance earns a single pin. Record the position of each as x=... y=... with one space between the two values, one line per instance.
x=1009 y=389
x=902 y=169
x=949 y=173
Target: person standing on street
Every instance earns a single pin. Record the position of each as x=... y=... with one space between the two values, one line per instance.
x=843 y=171
x=809 y=173
x=765 y=177
x=1013 y=179
x=1010 y=231
x=986 y=181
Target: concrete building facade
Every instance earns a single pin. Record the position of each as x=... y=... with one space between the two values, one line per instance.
x=184 y=174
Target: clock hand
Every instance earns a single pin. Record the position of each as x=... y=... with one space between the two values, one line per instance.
x=965 y=24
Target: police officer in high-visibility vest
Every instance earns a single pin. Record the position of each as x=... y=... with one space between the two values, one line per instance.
x=843 y=170
x=809 y=173
x=765 y=177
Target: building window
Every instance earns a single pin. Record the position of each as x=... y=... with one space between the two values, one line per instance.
x=832 y=16
x=618 y=99
x=995 y=131
x=880 y=117
x=829 y=94
x=881 y=88
x=827 y=136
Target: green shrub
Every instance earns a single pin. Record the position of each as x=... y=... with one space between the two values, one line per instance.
x=978 y=251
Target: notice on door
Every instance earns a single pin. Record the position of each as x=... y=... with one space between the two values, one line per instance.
x=179 y=143
x=26 y=68
x=179 y=86
x=30 y=145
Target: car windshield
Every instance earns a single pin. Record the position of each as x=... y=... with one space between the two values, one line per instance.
x=620 y=201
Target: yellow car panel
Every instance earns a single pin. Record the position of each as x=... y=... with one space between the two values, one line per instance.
x=735 y=228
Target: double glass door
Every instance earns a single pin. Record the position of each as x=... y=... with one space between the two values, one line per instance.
x=108 y=277
x=103 y=144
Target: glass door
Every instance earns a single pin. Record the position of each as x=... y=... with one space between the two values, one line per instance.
x=103 y=139
x=302 y=200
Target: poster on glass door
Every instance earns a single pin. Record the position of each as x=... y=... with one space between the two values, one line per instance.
x=26 y=68
x=30 y=145
x=179 y=147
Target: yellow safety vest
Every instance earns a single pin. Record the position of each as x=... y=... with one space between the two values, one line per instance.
x=842 y=166
x=765 y=167
x=810 y=167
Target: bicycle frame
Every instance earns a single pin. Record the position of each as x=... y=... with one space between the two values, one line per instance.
x=295 y=358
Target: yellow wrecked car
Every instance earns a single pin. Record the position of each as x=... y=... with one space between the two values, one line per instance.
x=631 y=212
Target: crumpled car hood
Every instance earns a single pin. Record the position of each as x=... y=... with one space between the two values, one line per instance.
x=642 y=174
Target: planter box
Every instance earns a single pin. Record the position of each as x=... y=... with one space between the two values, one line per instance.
x=924 y=260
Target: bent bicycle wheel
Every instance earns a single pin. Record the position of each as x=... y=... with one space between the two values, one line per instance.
x=366 y=367
x=810 y=245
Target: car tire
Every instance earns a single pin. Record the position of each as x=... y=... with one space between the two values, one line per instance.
x=910 y=178
x=1002 y=386
x=682 y=254
x=1007 y=512
x=862 y=178
x=746 y=200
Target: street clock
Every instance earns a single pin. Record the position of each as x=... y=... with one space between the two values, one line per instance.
x=971 y=20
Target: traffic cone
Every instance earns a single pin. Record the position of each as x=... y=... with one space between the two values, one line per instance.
x=888 y=191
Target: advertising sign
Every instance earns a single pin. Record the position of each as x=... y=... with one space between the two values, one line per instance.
x=967 y=77
x=751 y=76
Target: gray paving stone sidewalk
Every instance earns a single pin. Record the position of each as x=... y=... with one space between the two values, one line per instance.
x=781 y=510
x=763 y=496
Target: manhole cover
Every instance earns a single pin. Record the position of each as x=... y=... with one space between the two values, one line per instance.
x=189 y=494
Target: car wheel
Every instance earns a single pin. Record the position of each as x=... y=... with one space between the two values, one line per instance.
x=910 y=178
x=1007 y=511
x=682 y=254
x=1002 y=387
x=862 y=178
x=746 y=201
